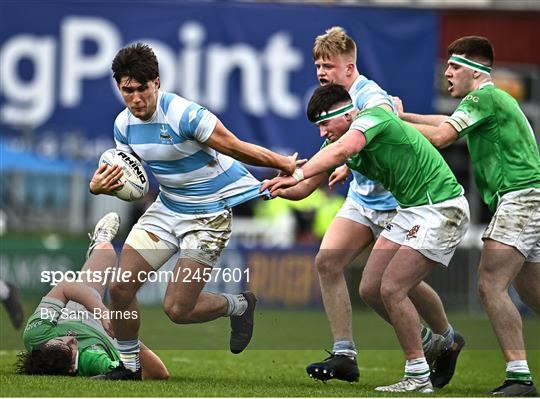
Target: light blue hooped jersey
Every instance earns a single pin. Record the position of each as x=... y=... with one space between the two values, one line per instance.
x=193 y=178
x=366 y=93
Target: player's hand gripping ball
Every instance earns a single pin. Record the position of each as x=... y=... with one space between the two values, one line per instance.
x=135 y=179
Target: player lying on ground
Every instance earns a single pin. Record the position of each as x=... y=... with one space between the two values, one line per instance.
x=360 y=221
x=68 y=334
x=431 y=219
x=506 y=165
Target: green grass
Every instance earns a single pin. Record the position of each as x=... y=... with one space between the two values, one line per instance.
x=274 y=365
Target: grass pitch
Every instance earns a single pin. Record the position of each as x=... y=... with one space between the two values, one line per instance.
x=274 y=365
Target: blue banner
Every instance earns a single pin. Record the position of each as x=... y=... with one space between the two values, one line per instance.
x=250 y=64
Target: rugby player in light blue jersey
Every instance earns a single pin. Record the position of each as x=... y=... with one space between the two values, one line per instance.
x=193 y=156
x=364 y=215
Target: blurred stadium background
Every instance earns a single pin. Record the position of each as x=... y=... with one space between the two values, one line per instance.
x=250 y=63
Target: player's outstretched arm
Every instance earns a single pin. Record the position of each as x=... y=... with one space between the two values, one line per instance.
x=225 y=142
x=433 y=127
x=152 y=366
x=440 y=136
x=329 y=157
x=86 y=296
x=335 y=154
x=430 y=120
x=302 y=190
x=105 y=179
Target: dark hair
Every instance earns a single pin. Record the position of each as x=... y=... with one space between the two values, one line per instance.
x=325 y=98
x=137 y=61
x=44 y=359
x=477 y=48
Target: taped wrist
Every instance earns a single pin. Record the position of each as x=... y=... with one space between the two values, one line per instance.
x=298 y=174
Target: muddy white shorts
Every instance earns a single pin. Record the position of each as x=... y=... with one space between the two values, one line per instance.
x=517 y=222
x=375 y=220
x=433 y=230
x=199 y=237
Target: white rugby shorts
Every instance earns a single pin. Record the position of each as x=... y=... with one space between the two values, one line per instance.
x=516 y=222
x=433 y=230
x=199 y=237
x=375 y=220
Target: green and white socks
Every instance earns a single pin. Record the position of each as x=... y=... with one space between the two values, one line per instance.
x=426 y=334
x=417 y=369
x=518 y=370
x=429 y=337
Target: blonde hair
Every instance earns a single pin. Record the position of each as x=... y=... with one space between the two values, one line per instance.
x=334 y=42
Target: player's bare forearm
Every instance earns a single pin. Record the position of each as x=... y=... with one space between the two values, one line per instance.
x=440 y=136
x=335 y=154
x=78 y=292
x=430 y=120
x=302 y=189
x=253 y=154
x=225 y=142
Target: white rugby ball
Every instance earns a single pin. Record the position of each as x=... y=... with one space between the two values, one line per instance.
x=134 y=178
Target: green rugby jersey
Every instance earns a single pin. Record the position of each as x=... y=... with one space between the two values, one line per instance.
x=97 y=354
x=403 y=160
x=501 y=143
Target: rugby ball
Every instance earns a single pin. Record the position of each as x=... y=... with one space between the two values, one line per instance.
x=134 y=178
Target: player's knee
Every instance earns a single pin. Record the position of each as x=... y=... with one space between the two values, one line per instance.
x=485 y=290
x=370 y=292
x=122 y=294
x=390 y=293
x=487 y=286
x=178 y=313
x=327 y=265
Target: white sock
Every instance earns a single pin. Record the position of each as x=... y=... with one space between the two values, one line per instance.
x=4 y=291
x=346 y=348
x=448 y=336
x=129 y=354
x=417 y=368
x=237 y=304
x=518 y=370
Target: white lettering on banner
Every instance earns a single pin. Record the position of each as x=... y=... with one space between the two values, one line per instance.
x=192 y=34
x=280 y=61
x=223 y=62
x=200 y=74
x=27 y=102
x=75 y=65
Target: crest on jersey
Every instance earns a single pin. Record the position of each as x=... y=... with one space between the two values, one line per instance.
x=412 y=232
x=164 y=135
